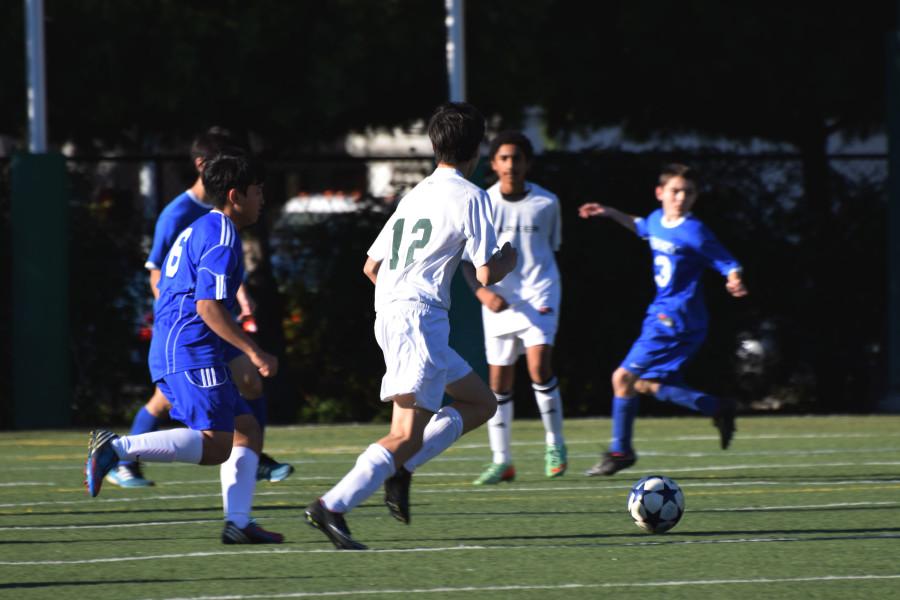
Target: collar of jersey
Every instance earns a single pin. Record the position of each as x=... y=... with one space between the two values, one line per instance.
x=672 y=225
x=447 y=172
x=196 y=199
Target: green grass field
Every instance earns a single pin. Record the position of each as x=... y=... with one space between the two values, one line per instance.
x=799 y=507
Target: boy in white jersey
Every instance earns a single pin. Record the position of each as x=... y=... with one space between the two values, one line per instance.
x=521 y=312
x=412 y=263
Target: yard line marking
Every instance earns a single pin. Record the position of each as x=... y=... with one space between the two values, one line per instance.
x=277 y=518
x=599 y=486
x=561 y=586
x=26 y=483
x=458 y=548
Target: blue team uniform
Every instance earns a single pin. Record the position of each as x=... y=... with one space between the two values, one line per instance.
x=676 y=320
x=187 y=359
x=183 y=210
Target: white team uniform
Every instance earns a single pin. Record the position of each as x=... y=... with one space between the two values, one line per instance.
x=419 y=249
x=533 y=225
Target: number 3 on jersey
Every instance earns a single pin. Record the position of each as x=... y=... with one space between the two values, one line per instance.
x=175 y=252
x=663 y=270
x=423 y=226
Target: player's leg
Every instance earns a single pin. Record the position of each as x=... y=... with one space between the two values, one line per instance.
x=238 y=477
x=201 y=400
x=128 y=474
x=549 y=401
x=373 y=467
x=502 y=353
x=620 y=454
x=250 y=386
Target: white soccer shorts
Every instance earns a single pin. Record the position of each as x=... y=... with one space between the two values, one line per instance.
x=414 y=338
x=504 y=350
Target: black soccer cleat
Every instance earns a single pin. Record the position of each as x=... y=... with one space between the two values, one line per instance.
x=270 y=469
x=251 y=534
x=333 y=525
x=396 y=494
x=724 y=422
x=611 y=463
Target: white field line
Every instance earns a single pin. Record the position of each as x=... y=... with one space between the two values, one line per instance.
x=459 y=548
x=400 y=592
x=277 y=518
x=602 y=485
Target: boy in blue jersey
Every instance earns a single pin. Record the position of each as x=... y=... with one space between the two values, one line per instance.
x=192 y=332
x=183 y=210
x=676 y=320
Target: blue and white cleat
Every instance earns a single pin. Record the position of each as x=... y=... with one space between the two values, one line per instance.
x=101 y=459
x=270 y=469
x=128 y=475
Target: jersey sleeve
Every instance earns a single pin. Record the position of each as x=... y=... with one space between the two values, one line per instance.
x=217 y=265
x=556 y=235
x=478 y=227
x=641 y=228
x=715 y=254
x=164 y=235
x=378 y=250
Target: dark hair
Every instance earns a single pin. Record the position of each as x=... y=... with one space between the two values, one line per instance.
x=227 y=172
x=671 y=170
x=516 y=138
x=456 y=130
x=214 y=141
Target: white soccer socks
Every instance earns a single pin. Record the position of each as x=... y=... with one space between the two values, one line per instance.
x=171 y=445
x=500 y=429
x=549 y=403
x=373 y=466
x=444 y=428
x=238 y=475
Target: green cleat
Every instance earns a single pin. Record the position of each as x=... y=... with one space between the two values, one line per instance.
x=495 y=473
x=555 y=460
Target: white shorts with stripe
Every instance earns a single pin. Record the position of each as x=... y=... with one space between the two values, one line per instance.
x=414 y=338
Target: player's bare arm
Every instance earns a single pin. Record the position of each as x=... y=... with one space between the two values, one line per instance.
x=246 y=303
x=217 y=318
x=499 y=266
x=594 y=209
x=735 y=285
x=154 y=282
x=371 y=269
x=491 y=299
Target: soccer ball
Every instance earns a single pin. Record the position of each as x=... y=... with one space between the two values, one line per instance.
x=656 y=504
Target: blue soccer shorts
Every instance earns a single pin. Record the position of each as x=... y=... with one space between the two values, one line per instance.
x=661 y=350
x=204 y=399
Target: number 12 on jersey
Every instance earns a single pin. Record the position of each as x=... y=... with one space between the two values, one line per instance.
x=423 y=226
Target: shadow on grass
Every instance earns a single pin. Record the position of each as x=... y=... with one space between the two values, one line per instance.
x=112 y=581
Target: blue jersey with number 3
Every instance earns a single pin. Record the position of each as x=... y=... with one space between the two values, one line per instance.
x=681 y=252
x=205 y=263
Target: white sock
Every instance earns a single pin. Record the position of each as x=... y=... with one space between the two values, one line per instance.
x=170 y=445
x=442 y=430
x=550 y=404
x=500 y=429
x=373 y=466
x=238 y=475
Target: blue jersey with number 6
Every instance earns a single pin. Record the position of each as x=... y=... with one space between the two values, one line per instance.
x=682 y=250
x=205 y=263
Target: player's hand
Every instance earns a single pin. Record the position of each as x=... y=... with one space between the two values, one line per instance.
x=591 y=209
x=492 y=300
x=266 y=363
x=246 y=303
x=736 y=288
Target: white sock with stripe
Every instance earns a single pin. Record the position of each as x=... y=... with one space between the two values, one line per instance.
x=444 y=428
x=372 y=467
x=500 y=429
x=549 y=403
x=171 y=445
x=238 y=475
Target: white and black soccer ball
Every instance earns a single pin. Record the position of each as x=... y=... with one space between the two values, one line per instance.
x=656 y=504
